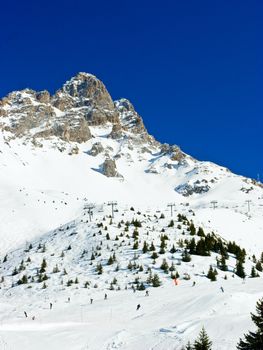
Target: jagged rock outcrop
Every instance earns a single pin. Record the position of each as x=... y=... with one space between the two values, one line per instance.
x=83 y=101
x=130 y=119
x=109 y=168
x=96 y=149
x=198 y=187
x=116 y=132
x=87 y=92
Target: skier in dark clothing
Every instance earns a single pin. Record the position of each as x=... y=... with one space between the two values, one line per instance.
x=222 y=289
x=25 y=314
x=147 y=293
x=91 y=300
x=50 y=306
x=105 y=296
x=138 y=307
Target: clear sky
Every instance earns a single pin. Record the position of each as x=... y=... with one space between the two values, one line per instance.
x=193 y=69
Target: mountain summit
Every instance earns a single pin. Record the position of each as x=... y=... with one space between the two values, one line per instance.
x=79 y=141
x=93 y=208
x=82 y=101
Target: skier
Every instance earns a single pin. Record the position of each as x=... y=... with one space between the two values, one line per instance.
x=222 y=289
x=147 y=293
x=91 y=300
x=138 y=307
x=50 y=306
x=33 y=318
x=105 y=296
x=193 y=284
x=25 y=314
x=68 y=299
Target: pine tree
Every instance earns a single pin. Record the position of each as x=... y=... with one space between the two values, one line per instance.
x=254 y=340
x=188 y=346
x=211 y=274
x=135 y=245
x=202 y=342
x=173 y=250
x=110 y=261
x=152 y=247
x=43 y=266
x=200 y=232
x=171 y=224
x=154 y=255
x=164 y=266
x=192 y=229
x=156 y=281
x=172 y=268
x=99 y=269
x=240 y=269
x=145 y=247
x=222 y=263
x=253 y=272
x=192 y=246
x=186 y=257
x=259 y=266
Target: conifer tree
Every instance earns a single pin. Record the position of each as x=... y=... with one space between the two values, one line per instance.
x=154 y=255
x=173 y=250
x=192 y=246
x=192 y=229
x=145 y=247
x=164 y=266
x=156 y=281
x=211 y=274
x=202 y=342
x=200 y=232
x=171 y=224
x=259 y=266
x=110 y=261
x=254 y=340
x=152 y=247
x=43 y=266
x=240 y=269
x=188 y=346
x=186 y=257
x=254 y=272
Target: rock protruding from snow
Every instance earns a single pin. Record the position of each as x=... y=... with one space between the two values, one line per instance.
x=82 y=101
x=198 y=187
x=109 y=168
x=129 y=117
x=96 y=149
x=87 y=92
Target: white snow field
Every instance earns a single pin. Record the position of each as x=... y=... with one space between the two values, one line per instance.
x=167 y=318
x=51 y=251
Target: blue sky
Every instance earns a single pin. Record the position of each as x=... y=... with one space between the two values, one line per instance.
x=193 y=69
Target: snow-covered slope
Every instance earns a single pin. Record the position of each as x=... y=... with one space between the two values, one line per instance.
x=60 y=153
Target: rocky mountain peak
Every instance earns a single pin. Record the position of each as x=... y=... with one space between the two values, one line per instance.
x=83 y=101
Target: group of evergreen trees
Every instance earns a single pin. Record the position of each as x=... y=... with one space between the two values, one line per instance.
x=252 y=340
x=201 y=343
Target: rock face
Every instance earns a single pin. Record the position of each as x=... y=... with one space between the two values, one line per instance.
x=198 y=187
x=81 y=105
x=96 y=149
x=87 y=92
x=109 y=168
x=83 y=101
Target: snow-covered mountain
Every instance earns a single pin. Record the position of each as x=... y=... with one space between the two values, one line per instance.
x=58 y=155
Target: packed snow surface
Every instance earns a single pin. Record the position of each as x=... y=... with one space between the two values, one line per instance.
x=44 y=190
